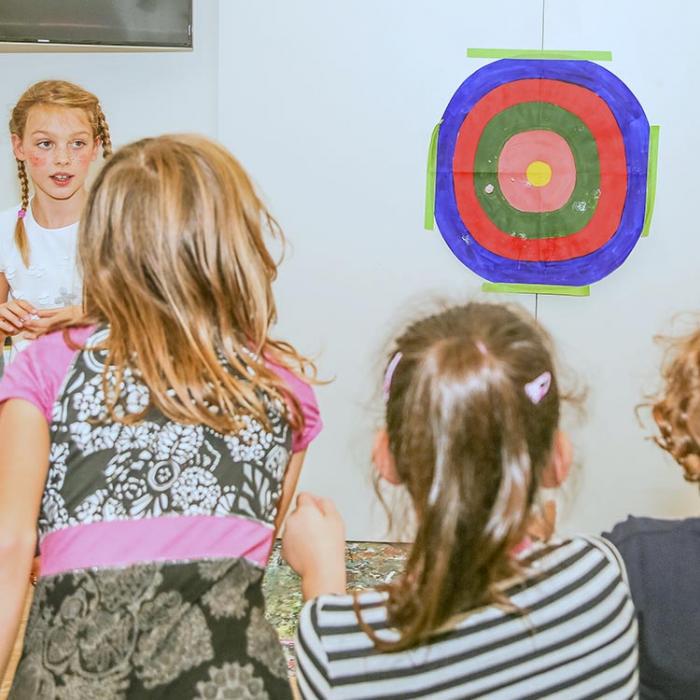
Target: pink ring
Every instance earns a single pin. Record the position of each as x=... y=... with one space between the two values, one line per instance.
x=523 y=149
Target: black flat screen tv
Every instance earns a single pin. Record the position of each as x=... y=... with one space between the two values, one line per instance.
x=148 y=23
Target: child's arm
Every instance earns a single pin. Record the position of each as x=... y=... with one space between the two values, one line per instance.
x=314 y=546
x=24 y=456
x=300 y=438
x=289 y=485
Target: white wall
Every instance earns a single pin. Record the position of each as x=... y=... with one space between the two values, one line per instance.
x=142 y=93
x=608 y=337
x=330 y=106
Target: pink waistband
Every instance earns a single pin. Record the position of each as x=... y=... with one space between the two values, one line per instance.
x=119 y=543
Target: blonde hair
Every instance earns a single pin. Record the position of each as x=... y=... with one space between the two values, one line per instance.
x=171 y=246
x=469 y=444
x=52 y=93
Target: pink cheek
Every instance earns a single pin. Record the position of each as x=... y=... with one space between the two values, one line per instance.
x=37 y=161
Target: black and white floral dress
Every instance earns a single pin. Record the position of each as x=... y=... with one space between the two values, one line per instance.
x=153 y=538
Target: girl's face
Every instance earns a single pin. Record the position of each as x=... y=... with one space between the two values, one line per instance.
x=57 y=149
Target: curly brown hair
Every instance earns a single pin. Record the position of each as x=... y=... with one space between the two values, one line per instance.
x=677 y=410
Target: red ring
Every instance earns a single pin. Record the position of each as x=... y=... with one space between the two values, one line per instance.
x=596 y=115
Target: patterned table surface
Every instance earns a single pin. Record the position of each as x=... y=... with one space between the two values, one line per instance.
x=368 y=563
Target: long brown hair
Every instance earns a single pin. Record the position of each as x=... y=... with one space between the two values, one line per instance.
x=677 y=410
x=469 y=445
x=52 y=93
x=172 y=251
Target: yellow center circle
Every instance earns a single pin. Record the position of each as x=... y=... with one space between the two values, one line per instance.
x=538 y=173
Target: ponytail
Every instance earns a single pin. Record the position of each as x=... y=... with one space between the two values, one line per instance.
x=468 y=443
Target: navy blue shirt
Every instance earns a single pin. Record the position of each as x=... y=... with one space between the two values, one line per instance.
x=663 y=563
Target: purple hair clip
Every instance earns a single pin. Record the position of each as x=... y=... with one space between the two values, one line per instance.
x=21 y=213
x=537 y=389
x=391 y=368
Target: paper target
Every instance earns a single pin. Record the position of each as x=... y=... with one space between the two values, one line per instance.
x=541 y=172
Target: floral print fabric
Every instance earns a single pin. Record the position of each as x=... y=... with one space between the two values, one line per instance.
x=154 y=467
x=192 y=629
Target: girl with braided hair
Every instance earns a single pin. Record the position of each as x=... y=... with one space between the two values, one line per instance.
x=57 y=129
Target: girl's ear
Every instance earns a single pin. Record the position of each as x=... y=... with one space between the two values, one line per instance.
x=556 y=472
x=17 y=147
x=383 y=459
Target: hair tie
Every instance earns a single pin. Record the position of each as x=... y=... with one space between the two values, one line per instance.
x=21 y=213
x=537 y=389
x=391 y=368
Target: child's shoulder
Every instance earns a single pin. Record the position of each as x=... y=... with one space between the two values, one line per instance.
x=299 y=386
x=38 y=371
x=60 y=340
x=334 y=611
x=575 y=553
x=655 y=538
x=308 y=403
x=582 y=542
x=366 y=599
x=642 y=528
x=49 y=354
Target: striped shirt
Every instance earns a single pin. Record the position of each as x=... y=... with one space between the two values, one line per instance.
x=577 y=638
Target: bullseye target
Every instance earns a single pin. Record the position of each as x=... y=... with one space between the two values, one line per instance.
x=542 y=172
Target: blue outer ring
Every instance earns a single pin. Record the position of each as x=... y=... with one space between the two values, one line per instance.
x=635 y=134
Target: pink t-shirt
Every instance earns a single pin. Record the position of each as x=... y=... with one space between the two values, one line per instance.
x=38 y=373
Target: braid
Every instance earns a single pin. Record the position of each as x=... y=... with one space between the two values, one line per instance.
x=103 y=131
x=21 y=239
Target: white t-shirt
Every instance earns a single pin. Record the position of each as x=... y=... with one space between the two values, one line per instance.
x=52 y=278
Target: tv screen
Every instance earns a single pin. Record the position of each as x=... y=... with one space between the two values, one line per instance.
x=166 y=23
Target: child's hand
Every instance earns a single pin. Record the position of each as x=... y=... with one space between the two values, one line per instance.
x=313 y=544
x=45 y=318
x=14 y=315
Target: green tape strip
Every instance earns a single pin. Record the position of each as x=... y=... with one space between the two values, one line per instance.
x=430 y=175
x=536 y=289
x=537 y=53
x=651 y=177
